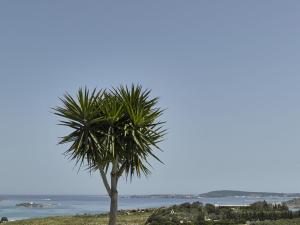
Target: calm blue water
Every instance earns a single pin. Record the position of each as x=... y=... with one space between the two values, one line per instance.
x=56 y=205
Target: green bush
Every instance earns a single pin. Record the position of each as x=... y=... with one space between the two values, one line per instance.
x=185 y=214
x=197 y=214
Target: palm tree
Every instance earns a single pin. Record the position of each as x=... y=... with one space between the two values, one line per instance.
x=116 y=130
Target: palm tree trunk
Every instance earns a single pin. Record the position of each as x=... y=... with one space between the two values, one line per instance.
x=113 y=208
x=114 y=195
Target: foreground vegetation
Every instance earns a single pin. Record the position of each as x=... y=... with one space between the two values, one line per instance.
x=199 y=214
x=185 y=214
x=130 y=218
x=279 y=222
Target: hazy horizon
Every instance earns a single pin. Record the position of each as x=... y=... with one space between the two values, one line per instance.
x=226 y=71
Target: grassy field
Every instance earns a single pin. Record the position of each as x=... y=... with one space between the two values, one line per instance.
x=134 y=218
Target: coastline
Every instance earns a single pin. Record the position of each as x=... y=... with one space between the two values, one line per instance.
x=93 y=205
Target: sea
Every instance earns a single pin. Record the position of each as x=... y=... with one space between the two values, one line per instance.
x=58 y=205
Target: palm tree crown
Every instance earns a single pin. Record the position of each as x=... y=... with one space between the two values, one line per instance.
x=112 y=126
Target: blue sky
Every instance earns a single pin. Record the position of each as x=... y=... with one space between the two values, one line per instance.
x=227 y=72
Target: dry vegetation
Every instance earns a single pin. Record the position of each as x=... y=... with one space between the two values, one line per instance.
x=134 y=218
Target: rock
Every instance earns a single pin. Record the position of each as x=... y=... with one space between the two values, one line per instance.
x=4 y=219
x=30 y=205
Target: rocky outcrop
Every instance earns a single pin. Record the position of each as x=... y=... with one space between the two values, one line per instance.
x=3 y=219
x=30 y=205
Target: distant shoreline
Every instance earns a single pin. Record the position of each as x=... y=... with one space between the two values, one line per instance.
x=211 y=194
x=234 y=193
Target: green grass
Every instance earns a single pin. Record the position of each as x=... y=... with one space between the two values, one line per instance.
x=134 y=218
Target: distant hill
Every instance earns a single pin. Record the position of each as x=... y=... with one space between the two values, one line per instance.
x=232 y=193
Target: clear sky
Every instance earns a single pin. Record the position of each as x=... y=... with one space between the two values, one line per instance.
x=227 y=72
